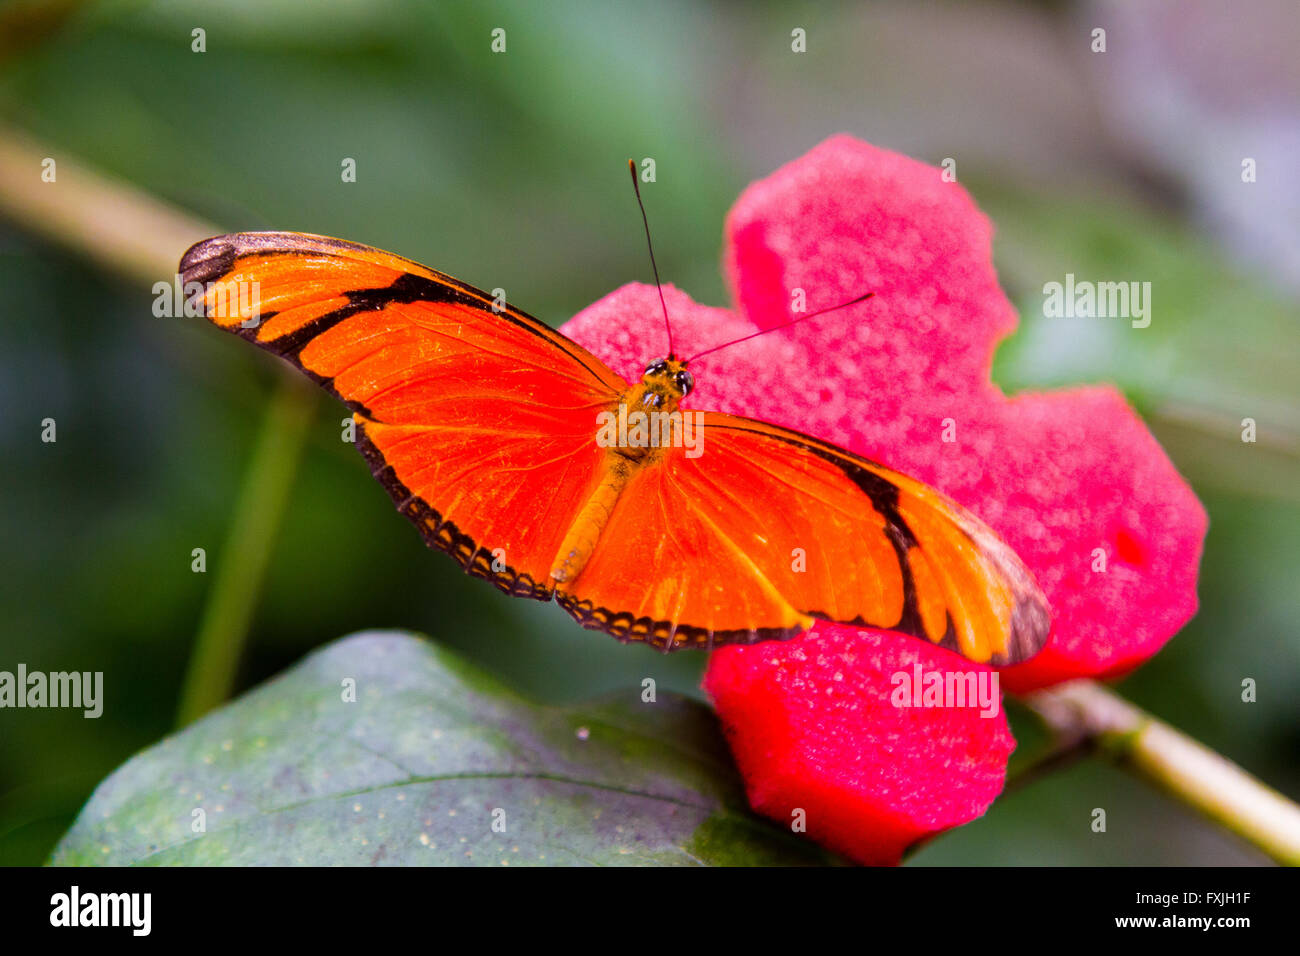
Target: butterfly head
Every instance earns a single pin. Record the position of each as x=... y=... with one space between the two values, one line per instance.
x=667 y=382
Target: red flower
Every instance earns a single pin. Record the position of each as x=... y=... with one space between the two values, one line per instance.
x=1069 y=479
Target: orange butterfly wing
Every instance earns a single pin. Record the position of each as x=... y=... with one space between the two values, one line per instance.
x=480 y=424
x=768 y=530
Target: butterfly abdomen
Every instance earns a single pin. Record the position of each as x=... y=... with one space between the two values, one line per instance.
x=580 y=541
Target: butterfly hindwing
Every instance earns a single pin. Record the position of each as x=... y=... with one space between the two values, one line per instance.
x=797 y=529
x=479 y=422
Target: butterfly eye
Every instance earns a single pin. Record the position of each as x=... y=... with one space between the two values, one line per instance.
x=654 y=368
x=685 y=381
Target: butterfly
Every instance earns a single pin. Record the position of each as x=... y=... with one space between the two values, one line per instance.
x=509 y=447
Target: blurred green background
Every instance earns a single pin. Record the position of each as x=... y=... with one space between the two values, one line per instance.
x=506 y=170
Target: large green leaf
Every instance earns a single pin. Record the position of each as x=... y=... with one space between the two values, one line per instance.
x=417 y=770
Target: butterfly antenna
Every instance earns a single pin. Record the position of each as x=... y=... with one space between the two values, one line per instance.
x=783 y=325
x=631 y=168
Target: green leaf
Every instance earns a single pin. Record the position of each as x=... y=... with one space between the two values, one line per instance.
x=417 y=770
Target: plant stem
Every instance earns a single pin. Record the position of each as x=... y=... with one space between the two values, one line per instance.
x=242 y=561
x=111 y=222
x=1060 y=756
x=1083 y=711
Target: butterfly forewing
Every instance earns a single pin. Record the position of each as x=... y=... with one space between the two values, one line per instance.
x=479 y=422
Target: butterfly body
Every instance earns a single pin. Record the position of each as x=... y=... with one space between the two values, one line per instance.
x=654 y=400
x=536 y=467
x=584 y=534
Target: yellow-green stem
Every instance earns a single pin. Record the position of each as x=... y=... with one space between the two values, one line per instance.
x=1182 y=767
x=242 y=561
